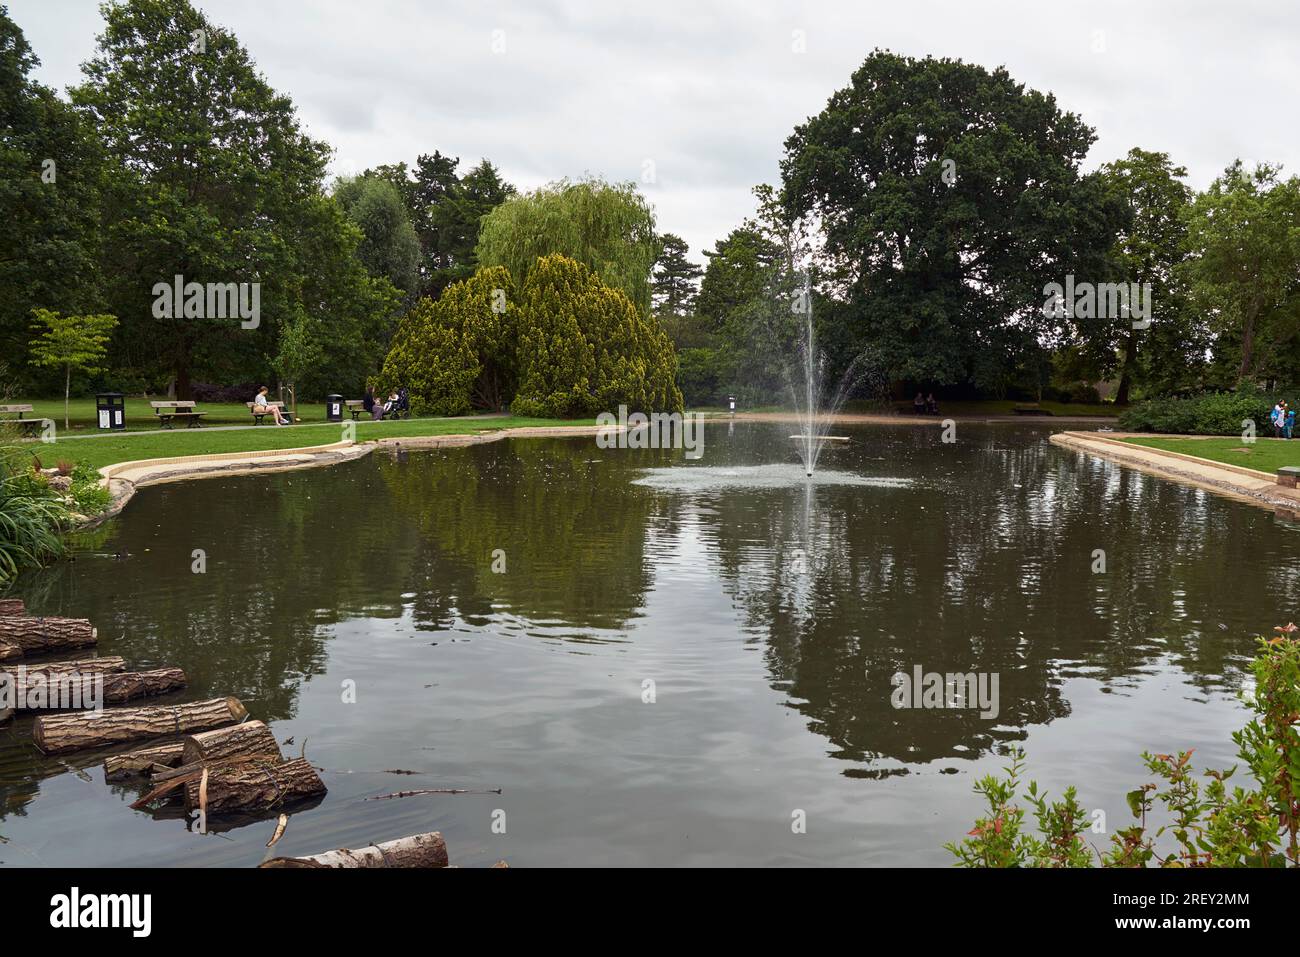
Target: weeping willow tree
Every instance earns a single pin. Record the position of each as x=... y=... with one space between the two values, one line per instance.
x=608 y=227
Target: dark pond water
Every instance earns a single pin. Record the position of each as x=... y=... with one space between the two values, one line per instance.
x=769 y=615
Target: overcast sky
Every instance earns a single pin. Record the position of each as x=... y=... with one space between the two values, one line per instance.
x=699 y=96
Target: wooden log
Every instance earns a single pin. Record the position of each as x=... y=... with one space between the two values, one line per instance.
x=39 y=635
x=12 y=606
x=142 y=760
x=418 y=850
x=254 y=785
x=10 y=650
x=63 y=691
x=58 y=733
x=100 y=665
x=250 y=737
x=249 y=740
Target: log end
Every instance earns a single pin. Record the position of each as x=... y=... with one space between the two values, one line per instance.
x=237 y=709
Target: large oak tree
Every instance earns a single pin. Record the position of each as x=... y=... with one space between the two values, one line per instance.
x=949 y=196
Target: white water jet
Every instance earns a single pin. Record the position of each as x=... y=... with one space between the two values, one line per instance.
x=814 y=406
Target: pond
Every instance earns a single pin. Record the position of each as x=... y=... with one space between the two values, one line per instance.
x=661 y=661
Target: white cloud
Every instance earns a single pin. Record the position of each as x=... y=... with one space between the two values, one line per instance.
x=710 y=90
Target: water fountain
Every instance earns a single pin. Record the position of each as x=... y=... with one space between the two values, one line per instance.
x=814 y=406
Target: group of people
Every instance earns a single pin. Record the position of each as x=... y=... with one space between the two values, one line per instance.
x=1283 y=419
x=394 y=404
x=925 y=405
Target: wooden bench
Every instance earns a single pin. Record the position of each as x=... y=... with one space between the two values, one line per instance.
x=259 y=416
x=1287 y=475
x=356 y=407
x=167 y=412
x=1030 y=409
x=18 y=410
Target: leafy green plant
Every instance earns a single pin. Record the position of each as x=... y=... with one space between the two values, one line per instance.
x=1212 y=413
x=31 y=515
x=1208 y=825
x=89 y=496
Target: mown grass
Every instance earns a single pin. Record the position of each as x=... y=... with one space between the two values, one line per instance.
x=1265 y=455
x=131 y=446
x=140 y=416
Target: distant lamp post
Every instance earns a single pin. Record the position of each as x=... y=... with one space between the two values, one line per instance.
x=731 y=403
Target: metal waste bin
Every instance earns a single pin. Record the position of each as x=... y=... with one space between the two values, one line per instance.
x=110 y=410
x=334 y=408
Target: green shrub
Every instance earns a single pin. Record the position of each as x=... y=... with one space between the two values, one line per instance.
x=444 y=348
x=1209 y=825
x=565 y=344
x=585 y=348
x=1213 y=413
x=88 y=495
x=31 y=515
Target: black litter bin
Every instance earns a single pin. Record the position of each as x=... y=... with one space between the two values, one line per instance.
x=110 y=410
x=334 y=408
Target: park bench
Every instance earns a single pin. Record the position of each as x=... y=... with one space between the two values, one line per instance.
x=1287 y=475
x=18 y=410
x=356 y=407
x=1031 y=408
x=169 y=411
x=259 y=416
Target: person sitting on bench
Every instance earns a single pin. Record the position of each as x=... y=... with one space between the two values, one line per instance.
x=263 y=406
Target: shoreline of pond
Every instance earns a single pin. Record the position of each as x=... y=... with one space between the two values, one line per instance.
x=1230 y=481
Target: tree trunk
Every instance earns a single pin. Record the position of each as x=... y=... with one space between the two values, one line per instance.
x=418 y=850
x=94 y=666
x=143 y=760
x=250 y=737
x=12 y=606
x=1126 y=370
x=254 y=785
x=54 y=692
x=58 y=733
x=184 y=390
x=1247 y=348
x=38 y=635
x=10 y=649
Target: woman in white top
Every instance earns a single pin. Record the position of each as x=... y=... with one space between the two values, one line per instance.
x=261 y=403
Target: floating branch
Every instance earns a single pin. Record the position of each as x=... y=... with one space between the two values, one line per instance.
x=407 y=794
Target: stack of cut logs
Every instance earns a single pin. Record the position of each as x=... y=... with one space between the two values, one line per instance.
x=207 y=754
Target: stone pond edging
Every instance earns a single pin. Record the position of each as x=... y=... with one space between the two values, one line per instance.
x=1223 y=478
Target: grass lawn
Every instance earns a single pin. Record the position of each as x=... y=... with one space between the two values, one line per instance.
x=140 y=415
x=125 y=447
x=1266 y=455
